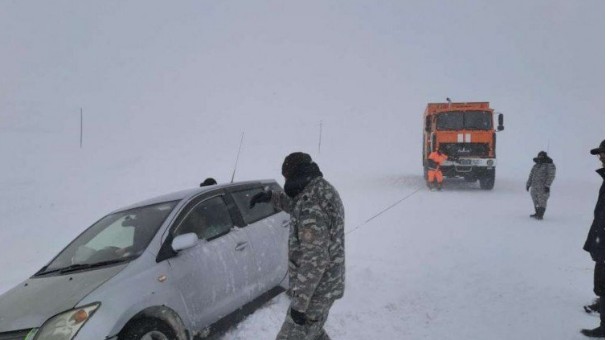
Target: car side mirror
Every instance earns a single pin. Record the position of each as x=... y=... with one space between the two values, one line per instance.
x=184 y=241
x=500 y=122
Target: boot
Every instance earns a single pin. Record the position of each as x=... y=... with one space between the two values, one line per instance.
x=439 y=186
x=535 y=215
x=540 y=213
x=594 y=333
x=599 y=331
x=594 y=307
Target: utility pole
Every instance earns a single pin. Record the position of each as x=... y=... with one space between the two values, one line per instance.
x=81 y=127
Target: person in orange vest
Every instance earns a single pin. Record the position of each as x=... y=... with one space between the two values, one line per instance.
x=435 y=160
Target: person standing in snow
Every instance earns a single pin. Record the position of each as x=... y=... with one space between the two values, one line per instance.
x=435 y=159
x=594 y=245
x=315 y=247
x=540 y=180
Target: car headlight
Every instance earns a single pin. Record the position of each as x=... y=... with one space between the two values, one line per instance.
x=64 y=326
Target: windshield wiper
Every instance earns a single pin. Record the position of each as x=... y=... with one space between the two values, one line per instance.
x=79 y=266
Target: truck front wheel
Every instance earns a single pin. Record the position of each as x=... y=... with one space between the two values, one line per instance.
x=488 y=180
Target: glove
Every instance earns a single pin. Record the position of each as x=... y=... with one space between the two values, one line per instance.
x=527 y=188
x=261 y=197
x=298 y=317
x=547 y=190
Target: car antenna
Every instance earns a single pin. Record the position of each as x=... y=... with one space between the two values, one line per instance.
x=237 y=159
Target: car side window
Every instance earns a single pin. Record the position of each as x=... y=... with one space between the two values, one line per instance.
x=208 y=219
x=258 y=212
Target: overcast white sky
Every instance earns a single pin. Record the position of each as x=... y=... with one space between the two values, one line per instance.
x=150 y=73
x=168 y=87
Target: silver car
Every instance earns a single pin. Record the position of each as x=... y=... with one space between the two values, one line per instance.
x=165 y=268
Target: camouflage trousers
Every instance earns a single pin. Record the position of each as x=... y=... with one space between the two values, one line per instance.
x=539 y=197
x=313 y=329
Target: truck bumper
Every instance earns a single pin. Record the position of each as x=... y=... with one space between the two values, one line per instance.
x=467 y=170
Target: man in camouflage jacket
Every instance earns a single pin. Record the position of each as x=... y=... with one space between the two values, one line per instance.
x=316 y=246
x=540 y=180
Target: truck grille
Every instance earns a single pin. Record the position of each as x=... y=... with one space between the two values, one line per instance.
x=465 y=149
x=15 y=335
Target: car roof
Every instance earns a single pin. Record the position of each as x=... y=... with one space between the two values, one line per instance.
x=189 y=193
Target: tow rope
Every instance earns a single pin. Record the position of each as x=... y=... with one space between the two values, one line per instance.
x=385 y=210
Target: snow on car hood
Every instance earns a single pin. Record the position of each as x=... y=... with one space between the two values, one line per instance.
x=34 y=301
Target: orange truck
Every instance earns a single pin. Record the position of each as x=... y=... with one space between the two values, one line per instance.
x=465 y=133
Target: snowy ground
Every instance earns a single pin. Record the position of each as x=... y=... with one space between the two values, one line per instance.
x=167 y=90
x=458 y=264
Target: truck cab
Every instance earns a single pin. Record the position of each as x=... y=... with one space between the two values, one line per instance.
x=465 y=132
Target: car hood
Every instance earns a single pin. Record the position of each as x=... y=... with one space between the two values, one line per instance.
x=34 y=301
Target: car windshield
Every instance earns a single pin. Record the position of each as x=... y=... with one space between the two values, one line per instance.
x=117 y=237
x=469 y=120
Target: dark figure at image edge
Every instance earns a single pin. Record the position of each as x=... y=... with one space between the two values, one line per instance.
x=315 y=246
x=594 y=245
x=539 y=183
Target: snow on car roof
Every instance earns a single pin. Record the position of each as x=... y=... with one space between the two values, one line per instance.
x=188 y=193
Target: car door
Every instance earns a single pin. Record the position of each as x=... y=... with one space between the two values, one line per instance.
x=267 y=230
x=213 y=275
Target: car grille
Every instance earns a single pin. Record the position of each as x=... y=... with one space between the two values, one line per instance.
x=465 y=149
x=16 y=335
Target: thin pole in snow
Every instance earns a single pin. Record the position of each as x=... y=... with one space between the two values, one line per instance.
x=81 y=127
x=237 y=159
x=320 y=139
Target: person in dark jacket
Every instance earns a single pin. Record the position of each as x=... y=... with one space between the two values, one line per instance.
x=594 y=245
x=316 y=250
x=540 y=180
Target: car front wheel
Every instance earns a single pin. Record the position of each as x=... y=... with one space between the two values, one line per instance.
x=148 y=329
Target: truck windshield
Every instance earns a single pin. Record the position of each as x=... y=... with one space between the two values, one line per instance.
x=469 y=120
x=450 y=121
x=477 y=120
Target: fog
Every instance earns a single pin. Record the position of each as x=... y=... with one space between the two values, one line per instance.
x=167 y=89
x=151 y=75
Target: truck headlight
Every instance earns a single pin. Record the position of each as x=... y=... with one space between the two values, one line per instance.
x=64 y=326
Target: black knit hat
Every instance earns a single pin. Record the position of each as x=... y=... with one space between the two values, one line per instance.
x=293 y=161
x=599 y=150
